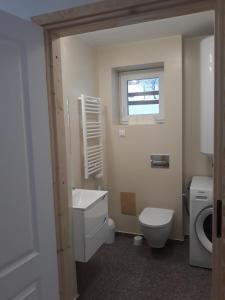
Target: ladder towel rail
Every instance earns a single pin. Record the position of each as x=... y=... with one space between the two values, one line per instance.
x=91 y=110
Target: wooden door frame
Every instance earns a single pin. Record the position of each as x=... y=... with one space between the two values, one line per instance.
x=109 y=14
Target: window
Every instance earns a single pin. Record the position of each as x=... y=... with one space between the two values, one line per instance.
x=141 y=96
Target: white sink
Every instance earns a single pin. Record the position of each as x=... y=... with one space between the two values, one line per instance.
x=83 y=199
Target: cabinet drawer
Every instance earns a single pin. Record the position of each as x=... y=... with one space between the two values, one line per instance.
x=95 y=216
x=94 y=241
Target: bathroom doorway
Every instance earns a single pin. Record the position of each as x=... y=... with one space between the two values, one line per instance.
x=56 y=119
x=107 y=64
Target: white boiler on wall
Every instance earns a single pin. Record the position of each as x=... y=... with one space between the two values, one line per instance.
x=207 y=94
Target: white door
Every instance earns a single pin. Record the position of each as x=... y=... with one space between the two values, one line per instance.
x=28 y=264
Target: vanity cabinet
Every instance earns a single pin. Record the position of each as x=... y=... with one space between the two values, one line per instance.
x=90 y=222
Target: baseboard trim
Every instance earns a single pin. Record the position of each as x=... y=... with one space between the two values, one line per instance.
x=179 y=241
x=132 y=234
x=76 y=297
x=127 y=233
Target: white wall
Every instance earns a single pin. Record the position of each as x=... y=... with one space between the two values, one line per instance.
x=195 y=163
x=128 y=158
x=128 y=161
x=79 y=76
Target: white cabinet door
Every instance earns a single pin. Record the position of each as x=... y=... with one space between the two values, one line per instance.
x=28 y=264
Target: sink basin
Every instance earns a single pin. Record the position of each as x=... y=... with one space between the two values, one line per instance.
x=83 y=199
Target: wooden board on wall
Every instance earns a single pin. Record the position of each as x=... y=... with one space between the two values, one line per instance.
x=115 y=13
x=59 y=167
x=128 y=203
x=219 y=152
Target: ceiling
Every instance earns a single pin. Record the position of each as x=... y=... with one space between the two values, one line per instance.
x=28 y=8
x=198 y=24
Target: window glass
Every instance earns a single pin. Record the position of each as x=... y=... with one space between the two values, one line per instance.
x=143 y=96
x=143 y=109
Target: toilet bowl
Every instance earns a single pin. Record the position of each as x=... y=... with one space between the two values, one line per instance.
x=156 y=225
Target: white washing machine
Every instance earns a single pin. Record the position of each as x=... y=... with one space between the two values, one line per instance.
x=201 y=200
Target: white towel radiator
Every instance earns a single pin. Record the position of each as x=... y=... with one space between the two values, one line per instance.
x=91 y=110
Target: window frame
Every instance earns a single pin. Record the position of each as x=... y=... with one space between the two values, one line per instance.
x=124 y=77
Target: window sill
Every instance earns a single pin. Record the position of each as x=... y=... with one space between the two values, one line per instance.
x=143 y=120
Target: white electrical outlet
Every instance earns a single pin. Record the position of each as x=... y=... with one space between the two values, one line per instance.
x=122 y=132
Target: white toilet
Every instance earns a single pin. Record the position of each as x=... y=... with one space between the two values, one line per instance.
x=156 y=225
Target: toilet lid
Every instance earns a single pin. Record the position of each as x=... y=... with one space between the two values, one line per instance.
x=156 y=216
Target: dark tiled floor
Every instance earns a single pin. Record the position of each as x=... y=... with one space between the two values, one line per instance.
x=121 y=271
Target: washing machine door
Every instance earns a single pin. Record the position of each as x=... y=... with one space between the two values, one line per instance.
x=203 y=227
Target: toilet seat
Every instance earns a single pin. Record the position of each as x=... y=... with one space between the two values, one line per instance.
x=156 y=217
